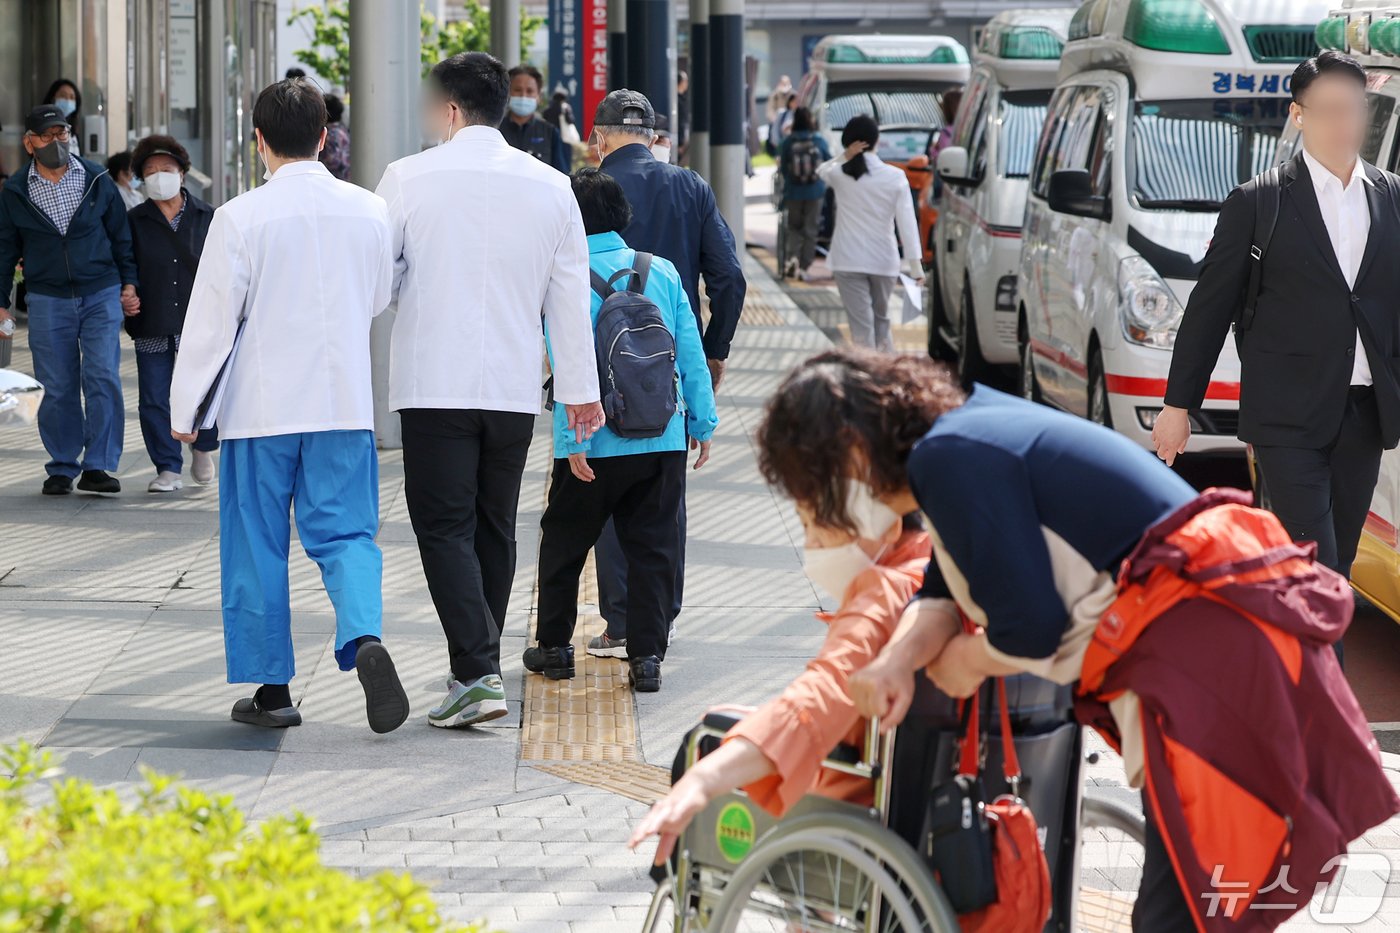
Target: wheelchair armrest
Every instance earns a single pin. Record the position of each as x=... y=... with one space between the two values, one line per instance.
x=721 y=721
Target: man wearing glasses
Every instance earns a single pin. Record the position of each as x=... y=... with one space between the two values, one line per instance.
x=65 y=218
x=1320 y=350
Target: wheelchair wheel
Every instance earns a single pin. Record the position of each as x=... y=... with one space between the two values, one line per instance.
x=831 y=872
x=1111 y=849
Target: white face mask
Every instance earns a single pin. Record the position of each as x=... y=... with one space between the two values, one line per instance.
x=834 y=569
x=162 y=186
x=872 y=517
x=662 y=153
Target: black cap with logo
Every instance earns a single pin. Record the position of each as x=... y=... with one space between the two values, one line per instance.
x=44 y=117
x=625 y=108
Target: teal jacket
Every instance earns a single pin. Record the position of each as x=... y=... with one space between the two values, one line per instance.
x=695 y=412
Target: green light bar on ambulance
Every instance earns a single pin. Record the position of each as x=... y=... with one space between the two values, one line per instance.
x=1385 y=36
x=1332 y=33
x=854 y=55
x=1031 y=42
x=1174 y=26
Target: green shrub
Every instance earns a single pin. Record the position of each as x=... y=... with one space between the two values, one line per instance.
x=178 y=861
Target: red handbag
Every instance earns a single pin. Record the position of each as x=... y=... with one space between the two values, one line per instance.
x=1023 y=901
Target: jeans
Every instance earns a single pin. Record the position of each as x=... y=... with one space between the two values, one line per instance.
x=462 y=472
x=153 y=373
x=867 y=301
x=77 y=350
x=802 y=220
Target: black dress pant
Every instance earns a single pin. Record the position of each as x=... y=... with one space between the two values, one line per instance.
x=1161 y=905
x=462 y=471
x=642 y=494
x=1325 y=495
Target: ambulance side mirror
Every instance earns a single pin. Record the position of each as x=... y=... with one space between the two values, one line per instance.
x=952 y=166
x=1072 y=192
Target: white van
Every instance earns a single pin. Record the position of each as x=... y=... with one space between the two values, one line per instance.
x=1162 y=108
x=898 y=80
x=985 y=171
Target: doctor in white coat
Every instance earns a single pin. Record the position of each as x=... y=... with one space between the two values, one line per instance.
x=489 y=249
x=304 y=264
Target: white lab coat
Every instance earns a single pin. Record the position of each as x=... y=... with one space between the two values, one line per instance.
x=307 y=258
x=487 y=239
x=864 y=240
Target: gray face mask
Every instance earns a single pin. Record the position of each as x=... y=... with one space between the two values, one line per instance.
x=53 y=155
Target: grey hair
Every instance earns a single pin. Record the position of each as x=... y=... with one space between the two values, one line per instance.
x=644 y=133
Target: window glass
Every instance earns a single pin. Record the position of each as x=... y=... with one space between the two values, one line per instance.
x=1021 y=114
x=1190 y=154
x=890 y=103
x=1050 y=136
x=1380 y=107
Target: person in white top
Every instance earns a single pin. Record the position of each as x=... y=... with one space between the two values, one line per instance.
x=291 y=276
x=488 y=245
x=872 y=202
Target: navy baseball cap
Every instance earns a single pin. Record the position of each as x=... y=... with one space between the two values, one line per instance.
x=625 y=108
x=44 y=117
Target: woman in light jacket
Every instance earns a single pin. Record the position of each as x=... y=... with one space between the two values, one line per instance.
x=864 y=255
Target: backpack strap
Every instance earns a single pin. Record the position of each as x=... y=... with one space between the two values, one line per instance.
x=601 y=285
x=1267 y=195
x=641 y=268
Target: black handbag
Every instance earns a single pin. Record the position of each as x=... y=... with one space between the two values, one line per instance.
x=956 y=836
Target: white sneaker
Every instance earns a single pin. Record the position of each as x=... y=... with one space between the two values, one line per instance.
x=671 y=635
x=483 y=700
x=201 y=466
x=791 y=269
x=165 y=481
x=803 y=275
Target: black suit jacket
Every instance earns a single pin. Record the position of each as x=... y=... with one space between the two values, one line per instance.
x=166 y=261
x=1296 y=358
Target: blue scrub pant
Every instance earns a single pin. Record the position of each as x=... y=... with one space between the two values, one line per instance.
x=332 y=478
x=77 y=350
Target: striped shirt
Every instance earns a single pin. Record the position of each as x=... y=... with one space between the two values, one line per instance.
x=59 y=201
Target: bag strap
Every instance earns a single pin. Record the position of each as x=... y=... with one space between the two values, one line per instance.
x=1267 y=198
x=641 y=269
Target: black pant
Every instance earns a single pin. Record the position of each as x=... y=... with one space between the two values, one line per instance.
x=611 y=564
x=642 y=494
x=462 y=474
x=1161 y=905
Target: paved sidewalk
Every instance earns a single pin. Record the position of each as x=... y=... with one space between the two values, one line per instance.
x=109 y=611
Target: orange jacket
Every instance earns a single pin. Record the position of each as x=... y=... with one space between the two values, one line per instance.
x=814 y=713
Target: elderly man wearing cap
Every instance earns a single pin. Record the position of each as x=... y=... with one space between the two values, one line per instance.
x=673 y=215
x=167 y=233
x=65 y=218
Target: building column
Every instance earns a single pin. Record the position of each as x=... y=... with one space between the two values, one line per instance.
x=505 y=31
x=727 y=102
x=651 y=55
x=698 y=153
x=617 y=45
x=384 y=83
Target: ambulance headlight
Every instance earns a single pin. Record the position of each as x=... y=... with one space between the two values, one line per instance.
x=1150 y=312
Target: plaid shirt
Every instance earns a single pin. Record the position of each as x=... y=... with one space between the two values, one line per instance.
x=59 y=201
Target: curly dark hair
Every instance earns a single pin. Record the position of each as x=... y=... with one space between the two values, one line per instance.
x=845 y=411
x=153 y=145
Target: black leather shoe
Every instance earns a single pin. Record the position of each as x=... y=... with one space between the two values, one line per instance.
x=644 y=674
x=58 y=485
x=99 y=481
x=249 y=710
x=553 y=663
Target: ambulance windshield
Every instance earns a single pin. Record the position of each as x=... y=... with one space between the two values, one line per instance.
x=1190 y=154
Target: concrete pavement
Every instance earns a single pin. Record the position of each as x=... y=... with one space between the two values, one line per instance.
x=109 y=610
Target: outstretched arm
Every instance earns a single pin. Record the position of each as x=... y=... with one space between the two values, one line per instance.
x=886 y=687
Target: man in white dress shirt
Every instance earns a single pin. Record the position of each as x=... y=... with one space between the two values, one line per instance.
x=295 y=270
x=489 y=247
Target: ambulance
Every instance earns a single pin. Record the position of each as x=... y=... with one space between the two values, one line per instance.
x=1370 y=31
x=985 y=171
x=1162 y=108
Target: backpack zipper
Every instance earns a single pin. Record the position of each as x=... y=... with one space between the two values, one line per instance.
x=649 y=356
x=629 y=330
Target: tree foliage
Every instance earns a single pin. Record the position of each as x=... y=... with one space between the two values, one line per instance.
x=328 y=27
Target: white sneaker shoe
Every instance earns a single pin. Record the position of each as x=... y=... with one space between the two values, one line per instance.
x=803 y=275
x=165 y=481
x=671 y=635
x=483 y=700
x=201 y=466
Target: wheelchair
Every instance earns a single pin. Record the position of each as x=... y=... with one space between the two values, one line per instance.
x=831 y=866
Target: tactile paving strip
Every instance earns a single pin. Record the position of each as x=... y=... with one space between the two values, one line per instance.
x=634 y=780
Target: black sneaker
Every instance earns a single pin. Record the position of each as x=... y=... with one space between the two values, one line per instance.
x=99 y=481
x=644 y=674
x=553 y=663
x=386 y=704
x=58 y=485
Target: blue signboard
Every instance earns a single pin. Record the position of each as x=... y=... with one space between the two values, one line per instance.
x=566 y=55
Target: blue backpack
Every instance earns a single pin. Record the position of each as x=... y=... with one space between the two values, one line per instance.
x=636 y=355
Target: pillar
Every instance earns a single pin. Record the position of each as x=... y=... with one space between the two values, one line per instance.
x=727 y=102
x=617 y=45
x=699 y=150
x=505 y=31
x=651 y=55
x=384 y=85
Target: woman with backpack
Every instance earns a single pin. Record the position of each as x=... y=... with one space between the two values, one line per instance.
x=657 y=394
x=802 y=151
x=865 y=255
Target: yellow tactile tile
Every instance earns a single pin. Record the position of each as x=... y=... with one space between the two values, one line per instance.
x=632 y=779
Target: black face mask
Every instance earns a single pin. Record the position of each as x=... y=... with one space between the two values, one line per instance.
x=54 y=155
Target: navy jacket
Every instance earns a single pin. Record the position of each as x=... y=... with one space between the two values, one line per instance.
x=541 y=139
x=674 y=215
x=94 y=254
x=167 y=261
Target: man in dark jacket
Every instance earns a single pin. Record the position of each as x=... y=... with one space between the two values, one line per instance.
x=1319 y=384
x=674 y=215
x=524 y=128
x=64 y=217
x=167 y=234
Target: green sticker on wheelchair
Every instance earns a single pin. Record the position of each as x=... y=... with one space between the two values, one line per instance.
x=734 y=831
